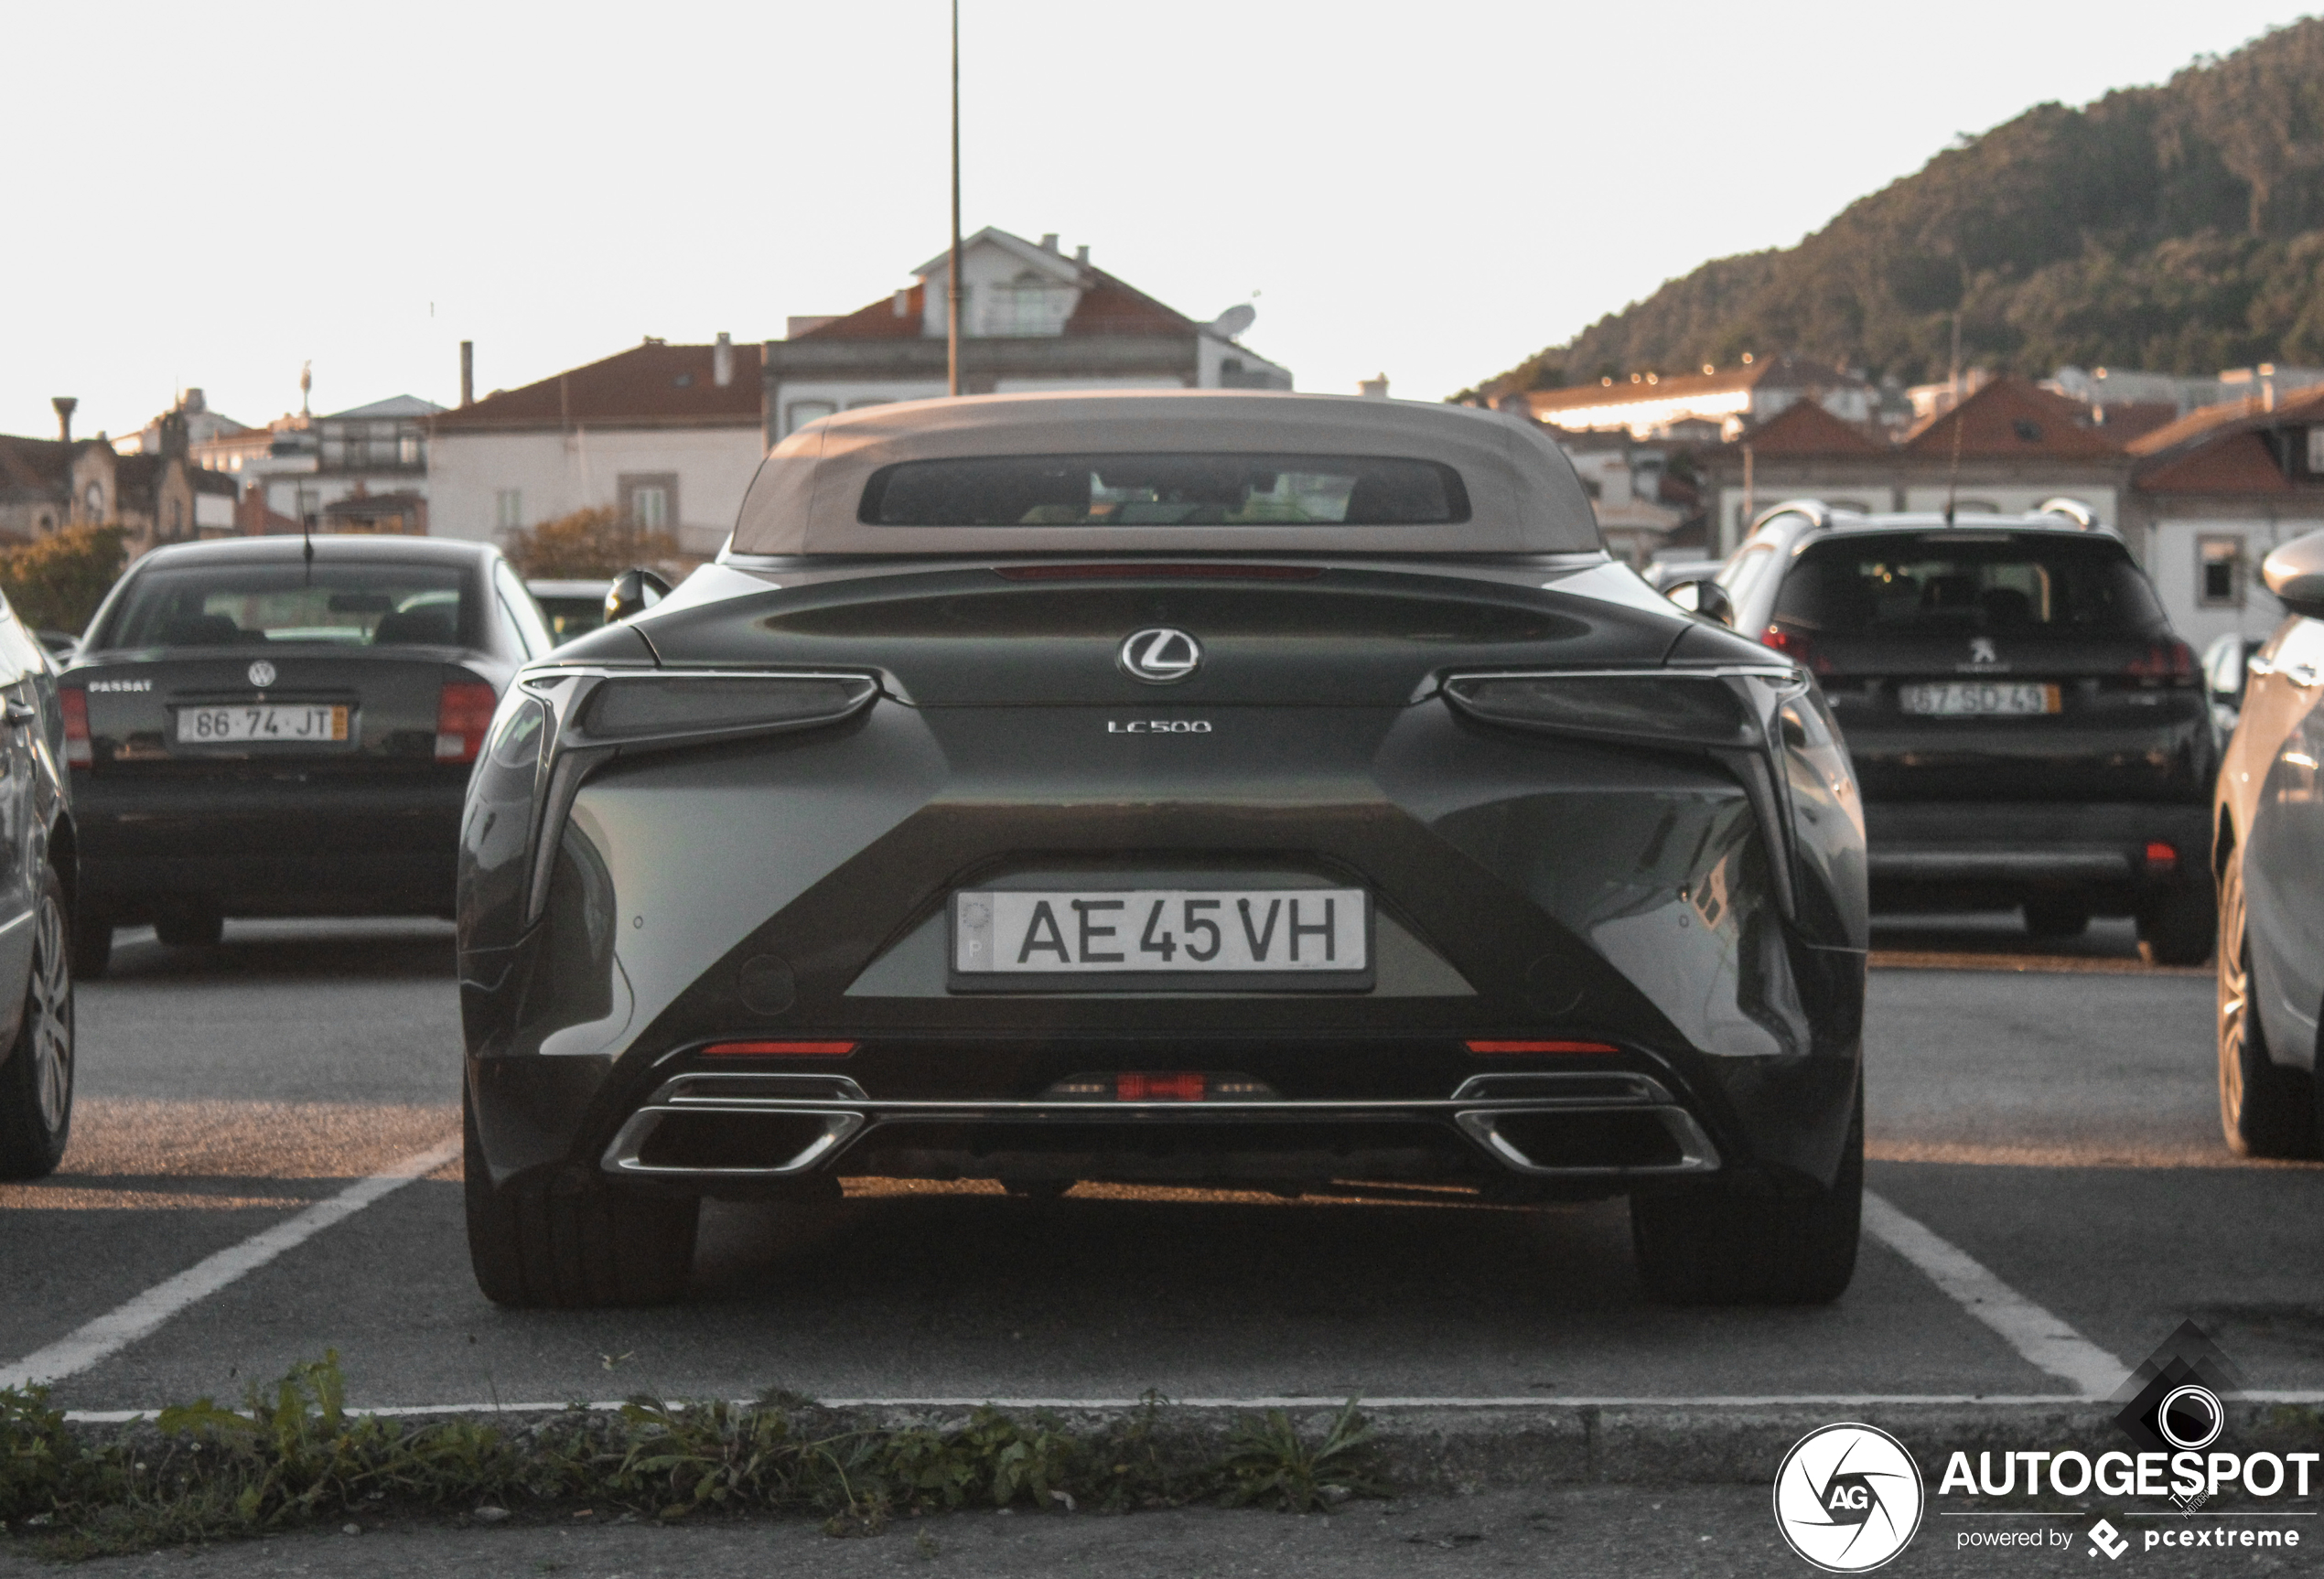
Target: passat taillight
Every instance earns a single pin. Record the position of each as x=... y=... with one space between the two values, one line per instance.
x=2170 y=662
x=1553 y=1046
x=73 y=703
x=463 y=713
x=1797 y=647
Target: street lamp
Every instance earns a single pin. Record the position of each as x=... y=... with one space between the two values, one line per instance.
x=952 y=274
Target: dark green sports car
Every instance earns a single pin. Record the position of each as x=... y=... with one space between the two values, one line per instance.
x=1211 y=787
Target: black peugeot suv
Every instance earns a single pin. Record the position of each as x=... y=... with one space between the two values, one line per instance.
x=2027 y=731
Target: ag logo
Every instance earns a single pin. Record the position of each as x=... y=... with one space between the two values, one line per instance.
x=1849 y=1498
x=261 y=674
x=1160 y=655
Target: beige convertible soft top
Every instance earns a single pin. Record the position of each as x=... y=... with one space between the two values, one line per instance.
x=1523 y=493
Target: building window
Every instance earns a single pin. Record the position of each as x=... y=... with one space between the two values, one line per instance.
x=650 y=499
x=2219 y=566
x=2315 y=452
x=804 y=411
x=95 y=502
x=508 y=509
x=407 y=449
x=177 y=516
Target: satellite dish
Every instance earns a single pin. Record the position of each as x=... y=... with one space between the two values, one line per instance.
x=1235 y=320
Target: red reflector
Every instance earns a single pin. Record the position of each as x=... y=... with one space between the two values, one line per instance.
x=778 y=1050
x=1796 y=646
x=2161 y=854
x=463 y=713
x=1132 y=570
x=1543 y=1047
x=73 y=703
x=1181 y=1087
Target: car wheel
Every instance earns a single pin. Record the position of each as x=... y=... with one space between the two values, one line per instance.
x=197 y=927
x=2179 y=928
x=548 y=1243
x=91 y=944
x=2055 y=919
x=2267 y=1111
x=1721 y=1246
x=35 y=1080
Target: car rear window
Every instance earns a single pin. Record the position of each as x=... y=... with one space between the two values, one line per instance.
x=350 y=605
x=1147 y=490
x=1955 y=581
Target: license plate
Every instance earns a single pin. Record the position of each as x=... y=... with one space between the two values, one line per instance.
x=1978 y=699
x=1162 y=931
x=232 y=726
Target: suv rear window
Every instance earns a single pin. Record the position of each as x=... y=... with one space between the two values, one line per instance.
x=349 y=605
x=1952 y=582
x=1164 y=490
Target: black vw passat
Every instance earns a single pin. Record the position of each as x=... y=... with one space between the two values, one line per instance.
x=2269 y=850
x=1193 y=787
x=284 y=726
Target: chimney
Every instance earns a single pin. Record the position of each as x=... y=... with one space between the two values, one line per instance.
x=903 y=301
x=64 y=404
x=1373 y=387
x=192 y=401
x=468 y=372
x=722 y=360
x=1049 y=241
x=1082 y=254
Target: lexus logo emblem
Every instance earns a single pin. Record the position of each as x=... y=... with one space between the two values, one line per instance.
x=1161 y=655
x=261 y=674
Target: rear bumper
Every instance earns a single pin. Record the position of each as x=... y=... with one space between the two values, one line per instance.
x=269 y=847
x=1975 y=855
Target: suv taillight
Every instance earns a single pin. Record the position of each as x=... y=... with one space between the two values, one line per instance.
x=2172 y=662
x=463 y=714
x=73 y=703
x=1796 y=646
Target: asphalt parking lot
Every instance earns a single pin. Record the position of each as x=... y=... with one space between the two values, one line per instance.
x=2046 y=1120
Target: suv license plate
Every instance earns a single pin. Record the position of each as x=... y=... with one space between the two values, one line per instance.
x=231 y=726
x=1977 y=698
x=1243 y=933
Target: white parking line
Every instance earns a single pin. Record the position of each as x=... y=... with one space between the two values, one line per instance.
x=117 y=1329
x=2042 y=1338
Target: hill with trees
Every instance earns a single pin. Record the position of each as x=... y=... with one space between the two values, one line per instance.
x=2177 y=228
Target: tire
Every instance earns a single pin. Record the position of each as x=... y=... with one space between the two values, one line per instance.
x=196 y=927
x=2181 y=927
x=35 y=1080
x=2055 y=919
x=550 y=1243
x=2266 y=1109
x=1722 y=1247
x=91 y=944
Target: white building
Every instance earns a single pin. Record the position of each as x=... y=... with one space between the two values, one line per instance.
x=669 y=436
x=1032 y=319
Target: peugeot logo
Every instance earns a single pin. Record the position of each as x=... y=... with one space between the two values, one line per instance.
x=261 y=674
x=1980 y=651
x=1161 y=655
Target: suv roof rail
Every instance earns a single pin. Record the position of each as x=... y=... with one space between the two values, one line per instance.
x=2073 y=510
x=1815 y=510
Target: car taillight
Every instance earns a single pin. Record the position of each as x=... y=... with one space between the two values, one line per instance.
x=1178 y=1086
x=74 y=703
x=2161 y=857
x=778 y=1049
x=1796 y=646
x=463 y=713
x=2171 y=661
x=1546 y=1046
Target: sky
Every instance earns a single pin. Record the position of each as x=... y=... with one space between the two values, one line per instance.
x=212 y=197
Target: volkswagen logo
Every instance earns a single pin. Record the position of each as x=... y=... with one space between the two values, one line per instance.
x=1160 y=655
x=261 y=674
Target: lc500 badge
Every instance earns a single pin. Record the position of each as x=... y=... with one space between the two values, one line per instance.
x=1157 y=727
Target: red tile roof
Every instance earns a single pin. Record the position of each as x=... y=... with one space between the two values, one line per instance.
x=2238 y=463
x=1805 y=428
x=2011 y=417
x=2132 y=420
x=2299 y=405
x=34 y=468
x=655 y=385
x=1107 y=306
